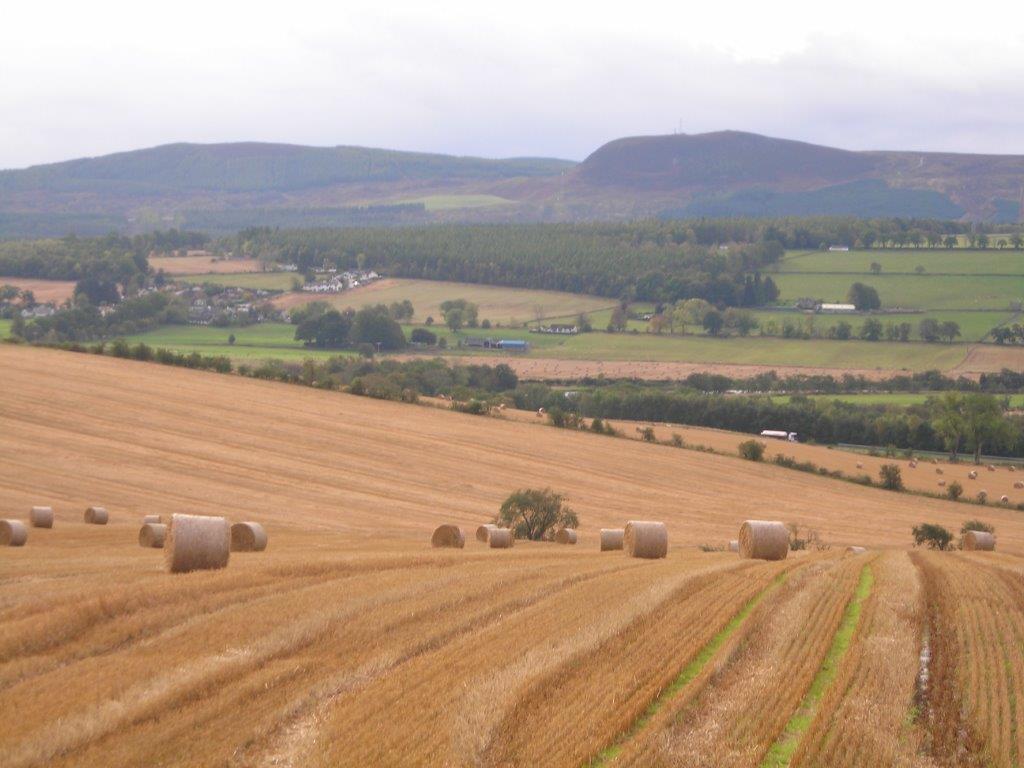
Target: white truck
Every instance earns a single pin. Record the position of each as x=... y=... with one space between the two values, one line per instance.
x=778 y=434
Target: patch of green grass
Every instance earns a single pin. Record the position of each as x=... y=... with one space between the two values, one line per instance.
x=974 y=326
x=255 y=342
x=991 y=262
x=933 y=292
x=781 y=753
x=268 y=281
x=686 y=676
x=5 y=328
x=456 y=202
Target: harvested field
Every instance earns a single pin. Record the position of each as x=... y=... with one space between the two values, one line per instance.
x=204 y=265
x=56 y=291
x=352 y=641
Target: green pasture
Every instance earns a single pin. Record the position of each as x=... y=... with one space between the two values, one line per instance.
x=974 y=326
x=268 y=340
x=907 y=260
x=5 y=328
x=933 y=292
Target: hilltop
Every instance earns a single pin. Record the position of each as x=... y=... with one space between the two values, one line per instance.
x=225 y=187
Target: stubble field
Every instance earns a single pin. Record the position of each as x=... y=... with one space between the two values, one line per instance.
x=352 y=642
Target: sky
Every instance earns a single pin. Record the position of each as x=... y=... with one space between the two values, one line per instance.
x=526 y=78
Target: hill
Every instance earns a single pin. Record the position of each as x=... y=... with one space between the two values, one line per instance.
x=730 y=173
x=226 y=187
x=351 y=642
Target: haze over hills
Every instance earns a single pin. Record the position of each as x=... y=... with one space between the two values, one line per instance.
x=222 y=187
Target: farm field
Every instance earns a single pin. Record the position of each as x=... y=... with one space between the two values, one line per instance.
x=924 y=478
x=890 y=398
x=974 y=326
x=276 y=340
x=57 y=291
x=203 y=265
x=931 y=292
x=457 y=202
x=497 y=304
x=268 y=281
x=310 y=653
x=952 y=262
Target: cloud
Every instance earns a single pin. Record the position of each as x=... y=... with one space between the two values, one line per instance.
x=530 y=78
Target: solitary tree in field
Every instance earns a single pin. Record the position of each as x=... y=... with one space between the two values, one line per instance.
x=713 y=322
x=932 y=536
x=531 y=513
x=876 y=268
x=863 y=297
x=949 y=330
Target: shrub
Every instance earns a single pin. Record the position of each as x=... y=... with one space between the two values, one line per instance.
x=423 y=336
x=932 y=535
x=890 y=476
x=647 y=434
x=954 y=490
x=752 y=450
x=677 y=440
x=982 y=497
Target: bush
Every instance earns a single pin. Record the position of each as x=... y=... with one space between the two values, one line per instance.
x=423 y=336
x=982 y=497
x=752 y=450
x=932 y=535
x=890 y=476
x=954 y=490
x=677 y=440
x=647 y=435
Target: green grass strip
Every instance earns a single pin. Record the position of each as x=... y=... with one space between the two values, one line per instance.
x=781 y=753
x=688 y=674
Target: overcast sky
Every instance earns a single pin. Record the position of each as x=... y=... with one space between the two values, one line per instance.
x=516 y=78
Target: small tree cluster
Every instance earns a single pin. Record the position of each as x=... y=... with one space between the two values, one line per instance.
x=531 y=513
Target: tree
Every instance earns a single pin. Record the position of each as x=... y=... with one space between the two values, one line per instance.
x=401 y=311
x=932 y=535
x=467 y=312
x=453 y=319
x=231 y=339
x=929 y=329
x=871 y=330
x=843 y=330
x=863 y=297
x=954 y=490
x=876 y=268
x=329 y=330
x=976 y=525
x=713 y=322
x=949 y=241
x=948 y=420
x=890 y=476
x=373 y=325
x=740 y=320
x=618 y=320
x=531 y=513
x=984 y=423
x=423 y=336
x=658 y=323
x=949 y=330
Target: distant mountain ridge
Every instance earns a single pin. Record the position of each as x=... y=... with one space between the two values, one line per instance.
x=220 y=187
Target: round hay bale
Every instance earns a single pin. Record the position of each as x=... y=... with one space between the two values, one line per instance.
x=1004 y=499
x=483 y=533
x=565 y=536
x=152 y=519
x=938 y=470
x=645 y=538
x=611 y=538
x=195 y=542
x=96 y=516
x=734 y=545
x=856 y=550
x=979 y=541
x=942 y=483
x=1019 y=484
x=152 y=535
x=764 y=540
x=500 y=538
x=972 y=475
x=248 y=537
x=13 y=533
x=444 y=536
x=860 y=465
x=41 y=517
x=991 y=467
x=1012 y=468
